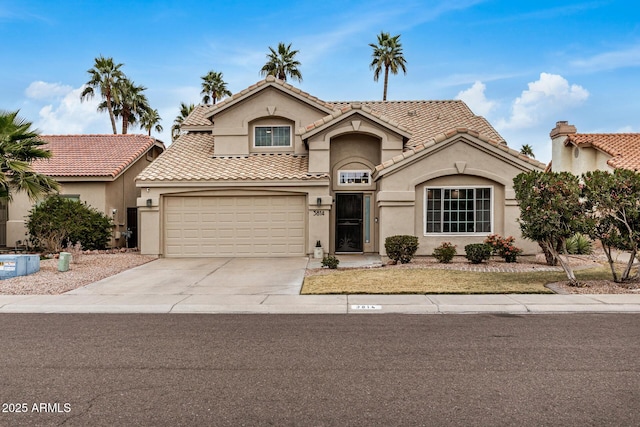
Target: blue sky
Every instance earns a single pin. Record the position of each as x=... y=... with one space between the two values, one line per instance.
x=523 y=65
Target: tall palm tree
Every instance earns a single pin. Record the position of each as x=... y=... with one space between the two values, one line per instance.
x=213 y=87
x=527 y=151
x=103 y=77
x=19 y=146
x=282 y=63
x=387 y=54
x=150 y=119
x=129 y=102
x=185 y=110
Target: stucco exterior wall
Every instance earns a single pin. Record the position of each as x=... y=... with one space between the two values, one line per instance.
x=462 y=162
x=577 y=160
x=104 y=195
x=233 y=126
x=93 y=193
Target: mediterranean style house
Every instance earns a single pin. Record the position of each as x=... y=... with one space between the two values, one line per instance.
x=582 y=152
x=97 y=169
x=272 y=170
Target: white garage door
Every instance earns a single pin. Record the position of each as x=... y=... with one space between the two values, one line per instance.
x=234 y=226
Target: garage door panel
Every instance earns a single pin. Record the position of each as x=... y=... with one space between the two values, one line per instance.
x=235 y=226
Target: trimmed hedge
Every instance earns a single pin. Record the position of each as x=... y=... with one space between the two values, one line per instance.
x=401 y=247
x=477 y=252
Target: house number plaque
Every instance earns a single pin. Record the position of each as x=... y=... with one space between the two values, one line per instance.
x=318 y=212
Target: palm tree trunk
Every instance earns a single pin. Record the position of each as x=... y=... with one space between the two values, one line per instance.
x=386 y=82
x=111 y=115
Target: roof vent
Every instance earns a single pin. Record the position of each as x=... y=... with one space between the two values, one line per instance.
x=412 y=113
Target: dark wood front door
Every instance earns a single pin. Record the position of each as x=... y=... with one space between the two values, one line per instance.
x=348 y=222
x=132 y=226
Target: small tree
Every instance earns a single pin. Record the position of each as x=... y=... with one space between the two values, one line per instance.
x=613 y=200
x=550 y=211
x=59 y=221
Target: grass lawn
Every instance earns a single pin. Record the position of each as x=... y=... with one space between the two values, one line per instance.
x=433 y=281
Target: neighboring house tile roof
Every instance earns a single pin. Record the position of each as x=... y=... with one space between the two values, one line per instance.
x=91 y=155
x=624 y=148
x=190 y=158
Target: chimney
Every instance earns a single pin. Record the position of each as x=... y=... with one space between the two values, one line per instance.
x=562 y=128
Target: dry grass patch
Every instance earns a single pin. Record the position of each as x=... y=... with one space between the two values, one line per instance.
x=435 y=281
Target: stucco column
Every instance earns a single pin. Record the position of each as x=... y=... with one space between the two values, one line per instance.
x=319 y=221
x=149 y=225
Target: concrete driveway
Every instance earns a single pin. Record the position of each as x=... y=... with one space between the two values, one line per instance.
x=206 y=276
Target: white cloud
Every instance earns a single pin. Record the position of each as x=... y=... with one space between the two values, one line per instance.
x=545 y=99
x=44 y=90
x=610 y=60
x=475 y=98
x=71 y=116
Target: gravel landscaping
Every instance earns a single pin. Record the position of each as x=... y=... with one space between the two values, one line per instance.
x=89 y=268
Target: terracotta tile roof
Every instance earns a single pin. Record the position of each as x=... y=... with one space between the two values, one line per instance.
x=412 y=151
x=348 y=108
x=91 y=155
x=426 y=119
x=623 y=147
x=190 y=158
x=424 y=123
x=200 y=115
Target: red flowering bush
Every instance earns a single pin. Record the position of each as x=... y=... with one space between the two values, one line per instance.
x=503 y=247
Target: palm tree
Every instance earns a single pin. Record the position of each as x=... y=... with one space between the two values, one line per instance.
x=150 y=119
x=387 y=54
x=213 y=87
x=103 y=77
x=130 y=102
x=185 y=110
x=282 y=63
x=19 y=146
x=527 y=151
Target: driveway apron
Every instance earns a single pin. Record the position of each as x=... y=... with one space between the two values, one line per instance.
x=206 y=276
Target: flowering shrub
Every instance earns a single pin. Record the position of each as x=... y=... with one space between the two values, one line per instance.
x=503 y=247
x=445 y=252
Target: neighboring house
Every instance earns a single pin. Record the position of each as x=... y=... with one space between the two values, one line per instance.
x=271 y=170
x=582 y=152
x=97 y=169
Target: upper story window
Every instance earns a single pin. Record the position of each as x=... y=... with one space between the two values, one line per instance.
x=353 y=177
x=272 y=136
x=453 y=210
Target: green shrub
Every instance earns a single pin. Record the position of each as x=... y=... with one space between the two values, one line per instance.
x=330 y=261
x=477 y=252
x=401 y=247
x=59 y=221
x=579 y=244
x=445 y=252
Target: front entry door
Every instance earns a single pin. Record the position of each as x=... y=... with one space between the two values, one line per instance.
x=349 y=222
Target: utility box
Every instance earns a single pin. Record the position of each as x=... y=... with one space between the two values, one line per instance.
x=18 y=265
x=63 y=261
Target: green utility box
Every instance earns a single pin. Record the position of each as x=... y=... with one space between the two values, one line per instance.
x=63 y=261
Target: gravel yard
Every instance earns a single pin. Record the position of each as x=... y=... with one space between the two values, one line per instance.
x=89 y=268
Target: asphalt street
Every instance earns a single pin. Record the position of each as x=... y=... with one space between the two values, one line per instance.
x=316 y=370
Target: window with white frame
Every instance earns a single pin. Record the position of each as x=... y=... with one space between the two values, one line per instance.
x=361 y=177
x=272 y=136
x=458 y=210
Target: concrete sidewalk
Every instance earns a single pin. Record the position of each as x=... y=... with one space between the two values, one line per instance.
x=231 y=285
x=329 y=304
